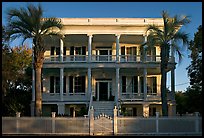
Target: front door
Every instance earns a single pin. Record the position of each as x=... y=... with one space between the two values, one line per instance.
x=103 y=91
x=103 y=55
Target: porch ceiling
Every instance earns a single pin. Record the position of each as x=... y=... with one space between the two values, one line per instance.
x=97 y=38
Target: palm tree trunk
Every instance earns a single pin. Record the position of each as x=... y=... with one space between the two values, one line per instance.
x=163 y=81
x=38 y=93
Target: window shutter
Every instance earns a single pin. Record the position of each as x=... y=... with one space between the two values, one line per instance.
x=64 y=89
x=154 y=85
x=72 y=50
x=83 y=50
x=51 y=84
x=70 y=84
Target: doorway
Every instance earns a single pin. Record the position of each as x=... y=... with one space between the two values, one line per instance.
x=103 y=90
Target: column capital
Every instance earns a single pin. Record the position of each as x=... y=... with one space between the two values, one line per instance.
x=90 y=35
x=62 y=36
x=118 y=35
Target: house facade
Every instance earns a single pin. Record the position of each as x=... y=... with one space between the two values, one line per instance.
x=100 y=62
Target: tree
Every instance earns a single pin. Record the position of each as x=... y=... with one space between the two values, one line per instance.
x=166 y=38
x=29 y=23
x=194 y=92
x=16 y=80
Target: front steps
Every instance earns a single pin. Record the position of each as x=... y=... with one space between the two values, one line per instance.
x=103 y=107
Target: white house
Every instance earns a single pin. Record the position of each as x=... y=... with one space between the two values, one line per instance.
x=99 y=62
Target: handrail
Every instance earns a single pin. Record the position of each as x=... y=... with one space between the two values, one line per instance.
x=90 y=103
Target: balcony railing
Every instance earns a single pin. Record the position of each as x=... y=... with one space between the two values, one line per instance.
x=132 y=96
x=66 y=96
x=102 y=58
x=140 y=96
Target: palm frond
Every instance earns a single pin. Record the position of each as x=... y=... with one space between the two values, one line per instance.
x=48 y=23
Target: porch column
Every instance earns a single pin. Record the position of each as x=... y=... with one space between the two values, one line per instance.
x=61 y=108
x=145 y=110
x=33 y=87
x=139 y=86
x=61 y=83
x=61 y=48
x=117 y=46
x=145 y=69
x=117 y=83
x=145 y=83
x=172 y=108
x=89 y=81
x=89 y=46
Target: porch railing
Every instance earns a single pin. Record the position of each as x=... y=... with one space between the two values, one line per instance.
x=103 y=58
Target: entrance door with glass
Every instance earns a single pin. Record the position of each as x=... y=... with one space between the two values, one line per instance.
x=103 y=90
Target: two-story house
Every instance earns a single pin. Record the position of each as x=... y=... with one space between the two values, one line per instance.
x=99 y=62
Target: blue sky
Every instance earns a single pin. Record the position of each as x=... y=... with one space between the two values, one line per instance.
x=126 y=10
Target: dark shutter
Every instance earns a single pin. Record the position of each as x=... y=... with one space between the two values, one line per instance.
x=72 y=50
x=64 y=50
x=57 y=51
x=154 y=84
x=64 y=89
x=135 y=85
x=51 y=84
x=70 y=84
x=57 y=85
x=83 y=50
x=142 y=84
x=154 y=54
x=123 y=50
x=123 y=84
x=83 y=84
x=52 y=50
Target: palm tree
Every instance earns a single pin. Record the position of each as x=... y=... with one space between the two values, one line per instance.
x=166 y=38
x=29 y=23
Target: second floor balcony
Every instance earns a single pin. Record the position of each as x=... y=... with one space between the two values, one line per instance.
x=101 y=58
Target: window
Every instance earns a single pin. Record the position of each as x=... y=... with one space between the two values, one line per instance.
x=151 y=85
x=123 y=84
x=79 y=53
x=151 y=54
x=55 y=84
x=129 y=53
x=77 y=84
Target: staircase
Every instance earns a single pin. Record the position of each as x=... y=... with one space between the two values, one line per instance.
x=103 y=107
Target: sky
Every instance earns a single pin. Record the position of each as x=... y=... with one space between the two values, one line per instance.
x=124 y=10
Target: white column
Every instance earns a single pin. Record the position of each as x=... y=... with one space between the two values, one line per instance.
x=139 y=86
x=145 y=110
x=144 y=49
x=61 y=108
x=61 y=48
x=145 y=83
x=61 y=83
x=117 y=47
x=89 y=47
x=89 y=81
x=117 y=83
x=145 y=69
